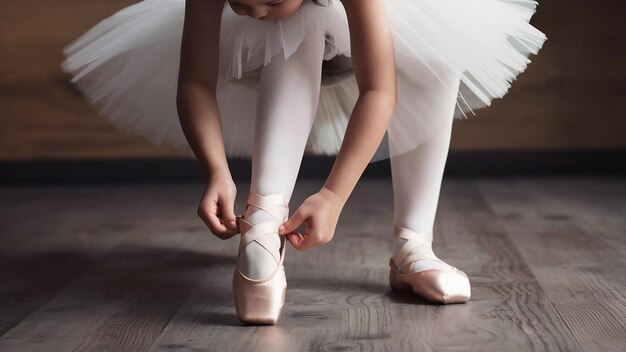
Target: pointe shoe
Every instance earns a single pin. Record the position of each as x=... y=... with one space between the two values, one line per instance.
x=442 y=286
x=261 y=301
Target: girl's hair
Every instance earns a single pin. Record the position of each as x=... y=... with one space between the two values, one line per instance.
x=322 y=2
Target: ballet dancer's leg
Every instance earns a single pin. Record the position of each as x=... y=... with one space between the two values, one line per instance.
x=417 y=175
x=287 y=102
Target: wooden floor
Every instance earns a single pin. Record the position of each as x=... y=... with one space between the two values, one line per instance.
x=131 y=268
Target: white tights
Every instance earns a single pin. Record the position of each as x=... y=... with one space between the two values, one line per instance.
x=287 y=102
x=288 y=97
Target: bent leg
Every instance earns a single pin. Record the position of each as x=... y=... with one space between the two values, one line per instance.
x=287 y=102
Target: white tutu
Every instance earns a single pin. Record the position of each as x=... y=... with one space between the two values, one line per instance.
x=127 y=65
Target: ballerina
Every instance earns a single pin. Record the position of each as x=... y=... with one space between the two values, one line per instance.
x=273 y=80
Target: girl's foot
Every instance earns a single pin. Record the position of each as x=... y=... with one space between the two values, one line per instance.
x=415 y=268
x=259 y=281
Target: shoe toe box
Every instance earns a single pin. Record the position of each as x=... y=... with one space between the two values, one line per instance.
x=259 y=301
x=443 y=286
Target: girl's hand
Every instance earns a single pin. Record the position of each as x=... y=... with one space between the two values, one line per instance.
x=320 y=212
x=216 y=206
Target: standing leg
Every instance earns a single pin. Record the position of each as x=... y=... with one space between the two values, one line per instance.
x=287 y=102
x=417 y=175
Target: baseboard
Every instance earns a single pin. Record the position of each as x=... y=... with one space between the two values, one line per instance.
x=459 y=164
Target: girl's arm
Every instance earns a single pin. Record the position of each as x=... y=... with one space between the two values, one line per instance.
x=373 y=59
x=374 y=65
x=199 y=115
x=197 y=81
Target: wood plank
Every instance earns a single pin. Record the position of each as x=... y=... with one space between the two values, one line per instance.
x=125 y=283
x=122 y=304
x=49 y=247
x=511 y=311
x=579 y=264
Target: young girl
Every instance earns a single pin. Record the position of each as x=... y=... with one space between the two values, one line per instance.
x=274 y=79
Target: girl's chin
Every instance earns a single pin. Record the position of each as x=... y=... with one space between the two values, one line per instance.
x=270 y=18
x=278 y=15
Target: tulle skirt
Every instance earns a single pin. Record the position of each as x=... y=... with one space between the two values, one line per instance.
x=127 y=66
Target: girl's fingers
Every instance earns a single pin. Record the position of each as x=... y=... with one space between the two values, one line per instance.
x=309 y=240
x=209 y=214
x=297 y=219
x=305 y=244
x=213 y=222
x=294 y=238
x=228 y=214
x=225 y=232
